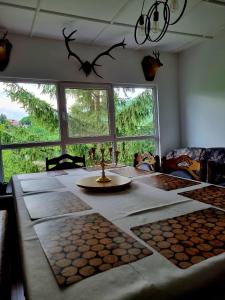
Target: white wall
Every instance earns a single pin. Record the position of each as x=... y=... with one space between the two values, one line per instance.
x=202 y=94
x=47 y=59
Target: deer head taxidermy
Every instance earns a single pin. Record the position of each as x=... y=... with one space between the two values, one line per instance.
x=87 y=66
x=150 y=65
x=5 y=49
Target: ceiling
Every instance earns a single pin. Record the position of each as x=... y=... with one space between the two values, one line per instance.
x=105 y=22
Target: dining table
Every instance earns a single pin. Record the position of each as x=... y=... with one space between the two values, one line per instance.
x=158 y=237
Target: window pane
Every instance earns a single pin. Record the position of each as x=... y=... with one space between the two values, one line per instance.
x=87 y=150
x=28 y=113
x=134 y=111
x=27 y=160
x=87 y=111
x=127 y=150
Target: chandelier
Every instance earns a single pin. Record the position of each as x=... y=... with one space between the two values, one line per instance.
x=148 y=23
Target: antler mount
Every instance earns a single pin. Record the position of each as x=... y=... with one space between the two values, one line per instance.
x=87 y=66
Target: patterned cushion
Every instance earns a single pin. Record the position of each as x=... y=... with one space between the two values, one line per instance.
x=193 y=152
x=170 y=155
x=215 y=154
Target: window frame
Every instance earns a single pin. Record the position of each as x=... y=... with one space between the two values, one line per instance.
x=64 y=138
x=155 y=115
x=68 y=140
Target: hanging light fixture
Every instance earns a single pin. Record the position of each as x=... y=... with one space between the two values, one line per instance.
x=159 y=11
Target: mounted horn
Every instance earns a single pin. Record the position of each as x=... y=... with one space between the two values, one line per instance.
x=150 y=65
x=86 y=66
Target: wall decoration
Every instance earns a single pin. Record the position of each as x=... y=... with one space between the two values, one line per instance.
x=87 y=66
x=150 y=65
x=5 y=50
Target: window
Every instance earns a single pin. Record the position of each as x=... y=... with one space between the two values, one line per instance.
x=128 y=148
x=39 y=120
x=87 y=112
x=136 y=121
x=26 y=160
x=28 y=113
x=134 y=111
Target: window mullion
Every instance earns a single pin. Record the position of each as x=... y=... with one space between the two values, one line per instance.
x=156 y=119
x=63 y=119
x=111 y=109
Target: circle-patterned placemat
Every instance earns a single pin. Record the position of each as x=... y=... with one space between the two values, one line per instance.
x=79 y=247
x=211 y=194
x=188 y=239
x=168 y=183
x=53 y=204
x=41 y=184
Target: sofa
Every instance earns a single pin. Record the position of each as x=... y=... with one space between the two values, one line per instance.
x=204 y=164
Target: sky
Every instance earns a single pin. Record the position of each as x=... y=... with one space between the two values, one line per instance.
x=10 y=109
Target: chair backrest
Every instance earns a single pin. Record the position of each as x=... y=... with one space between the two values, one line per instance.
x=61 y=163
x=147 y=162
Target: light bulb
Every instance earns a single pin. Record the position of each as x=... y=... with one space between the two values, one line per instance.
x=155 y=22
x=141 y=30
x=155 y=26
x=141 y=25
x=174 y=5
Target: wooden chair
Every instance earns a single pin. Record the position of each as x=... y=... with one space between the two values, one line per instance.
x=148 y=163
x=61 y=163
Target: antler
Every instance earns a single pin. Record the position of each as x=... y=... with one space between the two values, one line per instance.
x=86 y=66
x=107 y=52
x=156 y=53
x=67 y=40
x=5 y=34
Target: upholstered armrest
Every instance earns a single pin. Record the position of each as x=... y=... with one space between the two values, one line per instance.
x=3 y=224
x=216 y=172
x=6 y=202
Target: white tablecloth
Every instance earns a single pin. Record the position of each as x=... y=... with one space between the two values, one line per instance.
x=153 y=277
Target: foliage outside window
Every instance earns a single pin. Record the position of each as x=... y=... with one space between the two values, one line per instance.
x=29 y=114
x=134 y=111
x=87 y=112
x=33 y=124
x=26 y=160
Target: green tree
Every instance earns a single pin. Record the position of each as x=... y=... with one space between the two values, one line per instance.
x=88 y=115
x=3 y=119
x=25 y=121
x=37 y=109
x=41 y=125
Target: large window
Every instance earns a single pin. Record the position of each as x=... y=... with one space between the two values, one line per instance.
x=28 y=113
x=134 y=111
x=39 y=120
x=87 y=112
